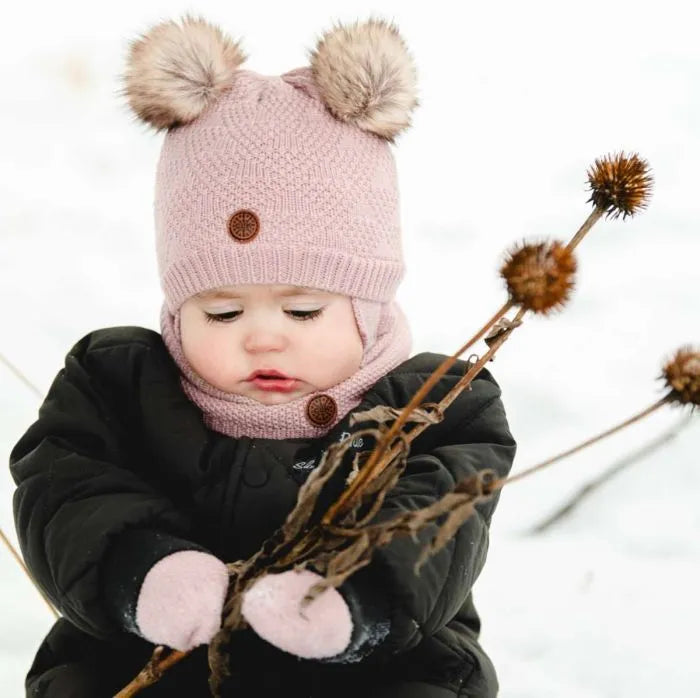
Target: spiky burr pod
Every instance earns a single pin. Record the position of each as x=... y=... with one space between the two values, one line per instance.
x=682 y=376
x=620 y=184
x=539 y=276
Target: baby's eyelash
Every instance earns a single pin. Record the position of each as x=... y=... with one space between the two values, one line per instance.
x=301 y=315
x=223 y=317
x=304 y=314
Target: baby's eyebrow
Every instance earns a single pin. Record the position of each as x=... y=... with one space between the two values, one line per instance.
x=301 y=291
x=226 y=294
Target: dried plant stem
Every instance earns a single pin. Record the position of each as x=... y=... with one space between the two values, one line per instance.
x=498 y=484
x=20 y=562
x=474 y=369
x=620 y=465
x=152 y=672
x=370 y=469
x=587 y=225
x=446 y=401
x=21 y=376
x=379 y=456
x=339 y=544
x=306 y=544
x=635 y=418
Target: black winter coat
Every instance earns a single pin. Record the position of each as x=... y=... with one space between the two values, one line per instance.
x=119 y=470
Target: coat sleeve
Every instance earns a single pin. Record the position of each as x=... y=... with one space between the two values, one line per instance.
x=476 y=437
x=82 y=509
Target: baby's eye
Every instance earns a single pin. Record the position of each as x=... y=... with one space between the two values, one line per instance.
x=223 y=317
x=304 y=314
x=231 y=315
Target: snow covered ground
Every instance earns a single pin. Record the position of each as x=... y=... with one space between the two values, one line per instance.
x=517 y=101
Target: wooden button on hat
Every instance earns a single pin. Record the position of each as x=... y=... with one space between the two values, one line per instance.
x=321 y=410
x=243 y=225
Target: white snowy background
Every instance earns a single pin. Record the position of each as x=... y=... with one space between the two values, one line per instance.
x=518 y=99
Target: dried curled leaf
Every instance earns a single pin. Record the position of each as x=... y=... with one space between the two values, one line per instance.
x=458 y=507
x=309 y=492
x=340 y=566
x=384 y=413
x=499 y=328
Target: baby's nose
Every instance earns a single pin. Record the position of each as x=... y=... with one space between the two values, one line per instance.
x=263 y=339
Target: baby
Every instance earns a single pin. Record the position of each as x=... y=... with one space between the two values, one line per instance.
x=158 y=457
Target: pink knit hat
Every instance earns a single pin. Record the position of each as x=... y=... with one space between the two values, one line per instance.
x=278 y=180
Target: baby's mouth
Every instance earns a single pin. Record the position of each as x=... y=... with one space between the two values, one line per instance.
x=274 y=383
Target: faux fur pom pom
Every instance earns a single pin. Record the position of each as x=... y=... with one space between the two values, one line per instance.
x=174 y=72
x=366 y=76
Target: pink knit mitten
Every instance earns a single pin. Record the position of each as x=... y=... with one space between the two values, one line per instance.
x=181 y=600
x=271 y=607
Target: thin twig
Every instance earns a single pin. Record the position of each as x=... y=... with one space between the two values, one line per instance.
x=20 y=562
x=439 y=407
x=635 y=418
x=592 y=219
x=608 y=474
x=152 y=672
x=368 y=472
x=379 y=453
x=21 y=376
x=459 y=504
x=613 y=190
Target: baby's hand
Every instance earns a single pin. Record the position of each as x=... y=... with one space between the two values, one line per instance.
x=181 y=600
x=271 y=607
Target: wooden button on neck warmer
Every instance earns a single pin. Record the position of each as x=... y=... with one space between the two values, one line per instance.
x=321 y=410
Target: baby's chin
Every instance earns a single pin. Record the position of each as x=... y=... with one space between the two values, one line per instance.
x=273 y=397
x=270 y=398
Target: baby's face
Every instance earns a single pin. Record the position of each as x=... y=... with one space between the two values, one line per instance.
x=308 y=336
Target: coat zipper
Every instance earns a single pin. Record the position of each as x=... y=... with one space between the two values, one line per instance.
x=242 y=446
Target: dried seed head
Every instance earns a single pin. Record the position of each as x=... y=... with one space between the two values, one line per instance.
x=539 y=276
x=620 y=184
x=682 y=375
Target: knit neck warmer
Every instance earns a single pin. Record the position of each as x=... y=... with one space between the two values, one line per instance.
x=387 y=343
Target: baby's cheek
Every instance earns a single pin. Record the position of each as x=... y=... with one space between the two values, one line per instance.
x=205 y=364
x=213 y=363
x=332 y=358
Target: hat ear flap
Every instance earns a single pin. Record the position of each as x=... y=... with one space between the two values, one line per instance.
x=173 y=73
x=366 y=76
